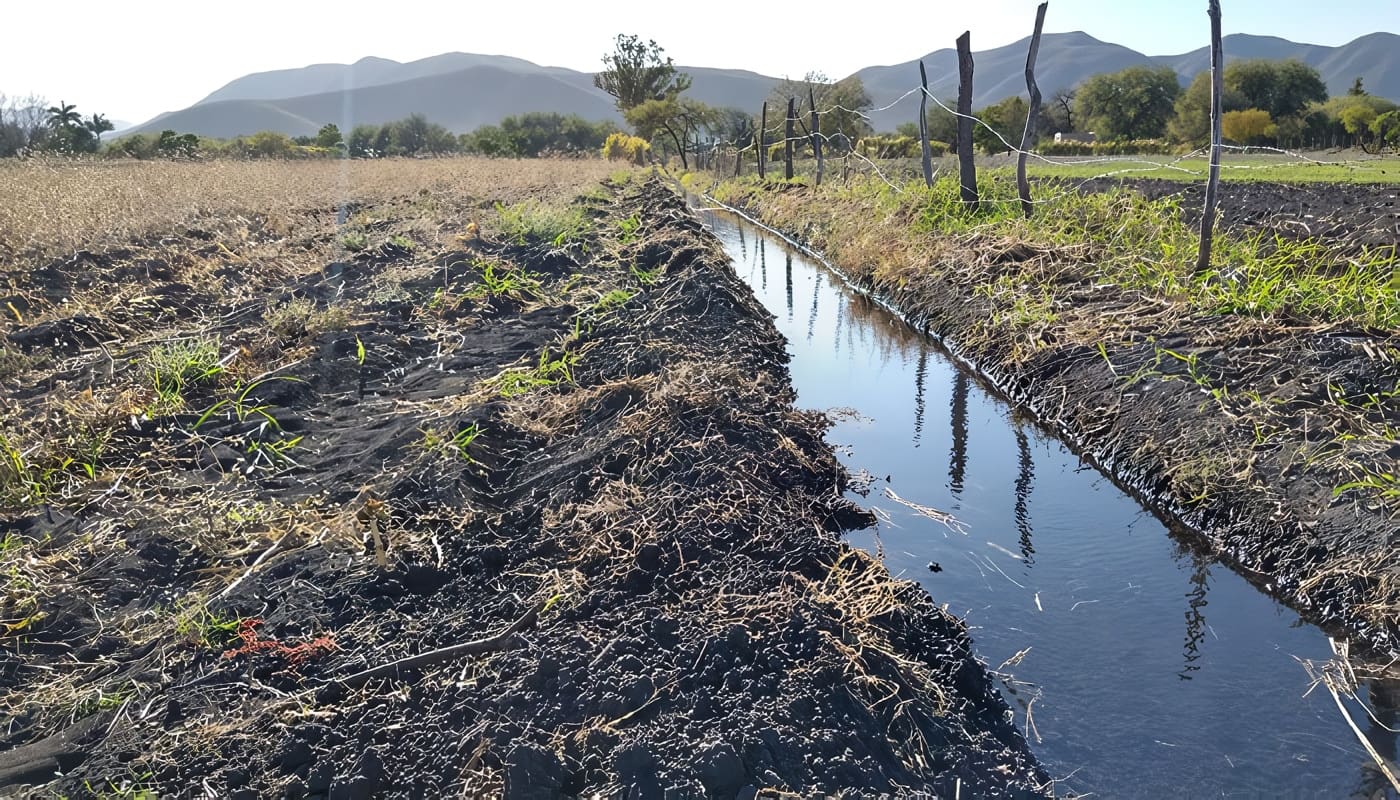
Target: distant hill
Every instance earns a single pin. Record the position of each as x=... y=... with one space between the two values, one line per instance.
x=463 y=91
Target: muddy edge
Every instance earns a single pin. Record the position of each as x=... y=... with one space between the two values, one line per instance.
x=644 y=563
x=1330 y=558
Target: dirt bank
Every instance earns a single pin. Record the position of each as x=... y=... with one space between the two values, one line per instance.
x=1273 y=436
x=528 y=518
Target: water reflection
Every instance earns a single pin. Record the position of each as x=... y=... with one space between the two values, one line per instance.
x=812 y=318
x=788 y=254
x=1025 y=477
x=920 y=378
x=1195 y=614
x=762 y=263
x=957 y=463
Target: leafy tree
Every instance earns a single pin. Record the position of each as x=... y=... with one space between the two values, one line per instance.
x=361 y=142
x=735 y=126
x=23 y=125
x=943 y=124
x=488 y=140
x=96 y=125
x=1191 y=121
x=329 y=136
x=1134 y=103
x=1386 y=129
x=1282 y=88
x=1356 y=90
x=270 y=144
x=1253 y=126
x=636 y=72
x=1357 y=119
x=175 y=145
x=1007 y=118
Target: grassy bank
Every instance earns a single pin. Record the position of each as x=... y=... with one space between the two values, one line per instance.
x=1256 y=399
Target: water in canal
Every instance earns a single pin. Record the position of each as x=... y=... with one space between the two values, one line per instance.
x=1146 y=669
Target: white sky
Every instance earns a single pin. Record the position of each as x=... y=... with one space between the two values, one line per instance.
x=133 y=60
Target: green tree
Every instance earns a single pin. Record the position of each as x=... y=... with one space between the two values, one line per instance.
x=1134 y=103
x=175 y=145
x=1001 y=121
x=1386 y=129
x=1190 y=122
x=361 y=142
x=270 y=144
x=637 y=72
x=1356 y=90
x=1282 y=88
x=488 y=140
x=329 y=136
x=64 y=115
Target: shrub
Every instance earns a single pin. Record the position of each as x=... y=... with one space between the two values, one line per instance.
x=622 y=147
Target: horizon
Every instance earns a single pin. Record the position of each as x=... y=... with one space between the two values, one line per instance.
x=141 y=84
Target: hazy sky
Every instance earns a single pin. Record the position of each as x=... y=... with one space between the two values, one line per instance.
x=132 y=61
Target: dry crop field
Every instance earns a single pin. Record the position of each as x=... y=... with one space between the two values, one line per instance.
x=430 y=478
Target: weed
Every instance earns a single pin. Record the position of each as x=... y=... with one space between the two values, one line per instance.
x=645 y=277
x=612 y=300
x=505 y=281
x=533 y=222
x=354 y=241
x=179 y=365
x=198 y=625
x=402 y=243
x=300 y=317
x=628 y=228
x=548 y=372
x=241 y=408
x=457 y=444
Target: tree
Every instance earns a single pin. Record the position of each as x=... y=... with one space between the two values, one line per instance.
x=329 y=136
x=175 y=145
x=1003 y=124
x=361 y=142
x=1386 y=129
x=1356 y=89
x=677 y=117
x=1252 y=126
x=1061 y=110
x=1282 y=88
x=1357 y=119
x=64 y=115
x=636 y=72
x=96 y=125
x=23 y=125
x=1134 y=103
x=841 y=104
x=270 y=144
x=1190 y=122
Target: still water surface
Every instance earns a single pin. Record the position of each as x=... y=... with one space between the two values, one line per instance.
x=1146 y=668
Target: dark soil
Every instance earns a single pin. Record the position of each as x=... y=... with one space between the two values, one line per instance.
x=647 y=557
x=1247 y=447
x=1358 y=215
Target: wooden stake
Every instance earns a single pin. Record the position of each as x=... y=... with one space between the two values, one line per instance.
x=1023 y=184
x=1217 y=91
x=789 y=133
x=923 y=127
x=967 y=169
x=816 y=133
x=762 y=142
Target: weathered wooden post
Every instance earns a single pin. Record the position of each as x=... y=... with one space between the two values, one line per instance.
x=788 y=133
x=762 y=142
x=923 y=127
x=816 y=133
x=1217 y=91
x=1023 y=184
x=967 y=169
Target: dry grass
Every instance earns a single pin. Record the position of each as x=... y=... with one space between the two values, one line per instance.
x=55 y=207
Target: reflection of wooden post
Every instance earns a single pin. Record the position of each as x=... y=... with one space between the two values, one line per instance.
x=1023 y=184
x=1217 y=90
x=967 y=170
x=816 y=133
x=762 y=144
x=788 y=132
x=923 y=127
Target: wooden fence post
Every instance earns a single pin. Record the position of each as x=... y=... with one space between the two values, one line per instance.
x=1023 y=184
x=923 y=127
x=967 y=169
x=816 y=133
x=762 y=143
x=788 y=133
x=1217 y=91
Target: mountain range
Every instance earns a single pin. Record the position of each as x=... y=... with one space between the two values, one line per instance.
x=463 y=91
